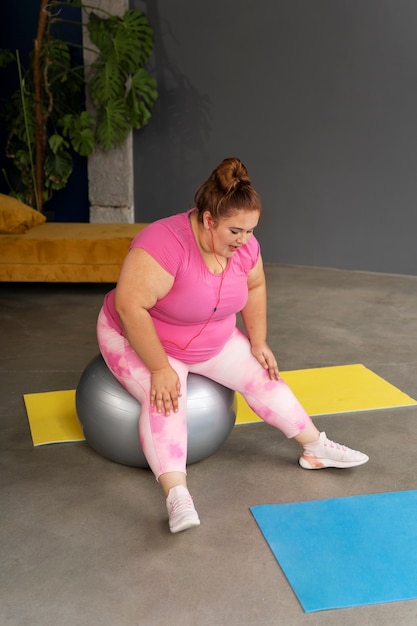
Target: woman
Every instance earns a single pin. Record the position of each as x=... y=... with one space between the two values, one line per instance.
x=173 y=311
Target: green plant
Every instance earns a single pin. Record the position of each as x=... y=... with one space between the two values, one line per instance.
x=47 y=118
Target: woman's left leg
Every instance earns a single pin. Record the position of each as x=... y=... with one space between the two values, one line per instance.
x=236 y=367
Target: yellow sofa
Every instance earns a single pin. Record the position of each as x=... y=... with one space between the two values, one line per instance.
x=66 y=252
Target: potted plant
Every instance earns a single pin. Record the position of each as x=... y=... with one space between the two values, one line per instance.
x=47 y=118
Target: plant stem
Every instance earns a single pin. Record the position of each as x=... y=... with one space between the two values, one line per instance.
x=39 y=122
x=22 y=95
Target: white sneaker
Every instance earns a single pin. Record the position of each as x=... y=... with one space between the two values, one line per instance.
x=326 y=453
x=181 y=511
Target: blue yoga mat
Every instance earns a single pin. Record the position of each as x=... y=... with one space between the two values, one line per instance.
x=345 y=552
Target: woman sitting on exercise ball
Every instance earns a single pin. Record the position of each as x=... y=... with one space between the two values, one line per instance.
x=173 y=311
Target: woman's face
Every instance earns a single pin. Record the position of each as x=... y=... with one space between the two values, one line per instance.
x=229 y=233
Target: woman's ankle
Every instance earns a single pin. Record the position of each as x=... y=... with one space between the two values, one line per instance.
x=172 y=479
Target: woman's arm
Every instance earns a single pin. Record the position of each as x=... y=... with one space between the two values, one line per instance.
x=141 y=284
x=254 y=316
x=254 y=312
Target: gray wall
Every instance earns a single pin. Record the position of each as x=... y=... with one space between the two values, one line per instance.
x=317 y=97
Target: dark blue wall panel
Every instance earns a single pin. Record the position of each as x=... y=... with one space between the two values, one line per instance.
x=18 y=26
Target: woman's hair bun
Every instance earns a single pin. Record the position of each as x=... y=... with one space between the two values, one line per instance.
x=231 y=175
x=227 y=190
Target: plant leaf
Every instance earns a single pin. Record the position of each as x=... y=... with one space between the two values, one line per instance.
x=80 y=130
x=101 y=31
x=113 y=124
x=133 y=41
x=128 y=40
x=107 y=83
x=58 y=169
x=6 y=57
x=57 y=143
x=141 y=97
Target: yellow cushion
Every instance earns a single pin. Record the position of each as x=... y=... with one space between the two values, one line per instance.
x=16 y=217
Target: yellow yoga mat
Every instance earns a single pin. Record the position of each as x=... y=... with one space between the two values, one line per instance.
x=322 y=391
x=52 y=417
x=338 y=389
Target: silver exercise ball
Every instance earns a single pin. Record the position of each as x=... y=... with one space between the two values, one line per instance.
x=109 y=416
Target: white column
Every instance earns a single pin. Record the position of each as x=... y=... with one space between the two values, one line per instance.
x=110 y=174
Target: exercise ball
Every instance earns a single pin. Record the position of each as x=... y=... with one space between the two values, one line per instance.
x=109 y=416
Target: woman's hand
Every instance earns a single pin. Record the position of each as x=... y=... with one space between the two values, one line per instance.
x=165 y=390
x=263 y=353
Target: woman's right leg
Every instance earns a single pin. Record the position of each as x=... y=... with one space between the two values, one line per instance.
x=163 y=438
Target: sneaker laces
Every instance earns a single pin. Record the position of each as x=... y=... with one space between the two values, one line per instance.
x=181 y=503
x=328 y=443
x=333 y=444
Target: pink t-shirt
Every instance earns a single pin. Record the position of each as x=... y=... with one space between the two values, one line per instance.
x=185 y=320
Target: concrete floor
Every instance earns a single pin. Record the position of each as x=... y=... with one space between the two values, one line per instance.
x=85 y=541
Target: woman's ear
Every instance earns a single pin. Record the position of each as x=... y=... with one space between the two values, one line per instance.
x=207 y=220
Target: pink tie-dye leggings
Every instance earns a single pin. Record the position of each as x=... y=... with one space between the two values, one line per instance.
x=164 y=438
